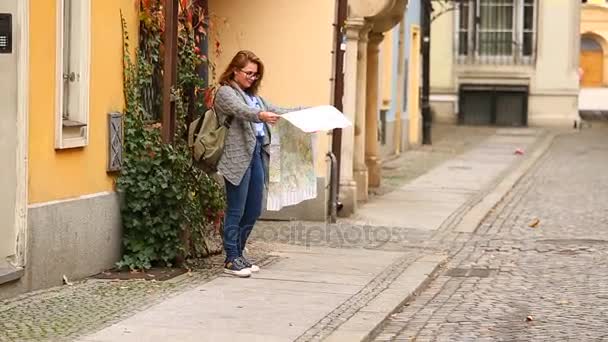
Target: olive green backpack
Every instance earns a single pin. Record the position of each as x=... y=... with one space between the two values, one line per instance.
x=206 y=139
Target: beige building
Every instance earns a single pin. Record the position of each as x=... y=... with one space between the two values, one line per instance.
x=594 y=44
x=510 y=63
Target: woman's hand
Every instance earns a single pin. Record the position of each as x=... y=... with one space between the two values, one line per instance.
x=269 y=117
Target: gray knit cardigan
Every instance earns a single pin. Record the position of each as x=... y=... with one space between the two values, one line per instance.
x=241 y=139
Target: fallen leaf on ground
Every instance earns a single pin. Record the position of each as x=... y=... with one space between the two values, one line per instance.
x=529 y=318
x=66 y=281
x=519 y=151
x=534 y=223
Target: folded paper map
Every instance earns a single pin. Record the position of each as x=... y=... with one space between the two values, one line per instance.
x=321 y=118
x=291 y=170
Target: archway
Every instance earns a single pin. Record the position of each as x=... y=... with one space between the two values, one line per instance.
x=592 y=60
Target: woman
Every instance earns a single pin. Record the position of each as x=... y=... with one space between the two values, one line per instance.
x=244 y=164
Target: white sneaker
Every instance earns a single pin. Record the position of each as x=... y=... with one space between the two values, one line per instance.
x=249 y=265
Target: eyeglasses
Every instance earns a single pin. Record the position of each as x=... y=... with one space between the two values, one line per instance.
x=250 y=74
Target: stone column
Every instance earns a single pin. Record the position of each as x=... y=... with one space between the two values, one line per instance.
x=361 y=175
x=372 y=149
x=348 y=186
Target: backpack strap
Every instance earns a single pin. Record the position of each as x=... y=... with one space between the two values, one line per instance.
x=228 y=120
x=199 y=124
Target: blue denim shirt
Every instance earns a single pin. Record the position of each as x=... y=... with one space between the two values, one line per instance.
x=253 y=102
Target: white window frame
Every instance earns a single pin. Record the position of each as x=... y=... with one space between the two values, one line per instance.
x=73 y=131
x=473 y=44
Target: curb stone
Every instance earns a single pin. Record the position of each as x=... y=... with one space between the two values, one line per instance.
x=369 y=320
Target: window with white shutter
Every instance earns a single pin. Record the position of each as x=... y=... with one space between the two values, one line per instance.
x=73 y=73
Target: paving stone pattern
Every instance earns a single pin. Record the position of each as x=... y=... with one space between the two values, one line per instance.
x=66 y=312
x=513 y=282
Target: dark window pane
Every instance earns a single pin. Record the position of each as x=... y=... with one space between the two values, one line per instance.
x=464 y=16
x=528 y=44
x=495 y=43
x=463 y=42
x=590 y=44
x=528 y=18
x=496 y=17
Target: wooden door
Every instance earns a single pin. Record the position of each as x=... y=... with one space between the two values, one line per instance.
x=592 y=63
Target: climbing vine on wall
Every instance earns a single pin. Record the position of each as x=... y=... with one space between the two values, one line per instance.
x=170 y=209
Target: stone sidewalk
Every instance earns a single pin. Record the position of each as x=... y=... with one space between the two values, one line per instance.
x=336 y=282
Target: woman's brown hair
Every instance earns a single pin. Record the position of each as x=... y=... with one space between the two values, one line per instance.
x=239 y=61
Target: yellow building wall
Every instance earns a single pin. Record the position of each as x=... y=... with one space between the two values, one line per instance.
x=62 y=174
x=386 y=63
x=442 y=53
x=294 y=40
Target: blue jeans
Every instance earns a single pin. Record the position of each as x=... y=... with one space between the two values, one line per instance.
x=244 y=205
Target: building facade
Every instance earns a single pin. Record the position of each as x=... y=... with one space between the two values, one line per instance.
x=594 y=44
x=496 y=63
x=64 y=65
x=60 y=213
x=362 y=69
x=295 y=44
x=399 y=120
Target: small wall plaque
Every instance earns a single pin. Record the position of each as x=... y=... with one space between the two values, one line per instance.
x=115 y=129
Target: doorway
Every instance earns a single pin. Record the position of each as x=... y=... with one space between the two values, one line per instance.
x=13 y=134
x=592 y=62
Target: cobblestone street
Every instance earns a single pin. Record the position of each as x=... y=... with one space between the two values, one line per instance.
x=536 y=268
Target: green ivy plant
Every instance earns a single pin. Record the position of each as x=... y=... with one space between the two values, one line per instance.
x=170 y=208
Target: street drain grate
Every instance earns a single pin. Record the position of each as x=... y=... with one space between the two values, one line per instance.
x=470 y=272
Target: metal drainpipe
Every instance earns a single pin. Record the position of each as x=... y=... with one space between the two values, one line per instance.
x=338 y=91
x=333 y=188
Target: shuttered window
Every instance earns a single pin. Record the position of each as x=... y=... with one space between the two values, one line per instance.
x=73 y=69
